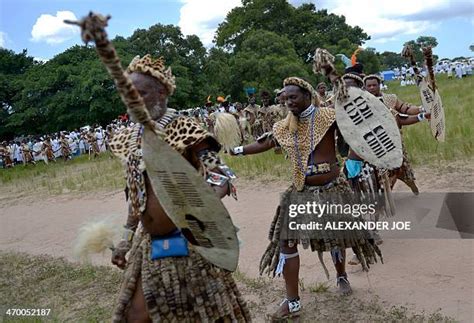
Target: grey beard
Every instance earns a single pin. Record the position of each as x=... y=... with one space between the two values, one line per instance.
x=157 y=111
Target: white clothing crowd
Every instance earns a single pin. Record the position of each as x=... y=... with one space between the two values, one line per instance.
x=457 y=69
x=79 y=142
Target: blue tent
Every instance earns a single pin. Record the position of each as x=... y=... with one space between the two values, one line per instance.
x=388 y=75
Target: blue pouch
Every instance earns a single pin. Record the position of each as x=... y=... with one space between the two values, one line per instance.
x=172 y=245
x=354 y=167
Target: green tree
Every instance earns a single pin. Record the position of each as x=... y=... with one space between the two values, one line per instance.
x=217 y=73
x=471 y=47
x=184 y=54
x=306 y=27
x=425 y=41
x=69 y=91
x=259 y=44
x=310 y=29
x=14 y=64
x=253 y=15
x=391 y=60
x=264 y=61
x=420 y=42
x=12 y=67
x=370 y=60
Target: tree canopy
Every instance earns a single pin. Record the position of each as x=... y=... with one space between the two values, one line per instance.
x=264 y=60
x=306 y=27
x=422 y=41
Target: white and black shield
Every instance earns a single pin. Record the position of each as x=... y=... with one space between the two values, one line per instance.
x=432 y=103
x=190 y=203
x=370 y=129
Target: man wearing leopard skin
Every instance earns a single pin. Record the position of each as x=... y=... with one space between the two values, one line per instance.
x=308 y=137
x=173 y=288
x=165 y=278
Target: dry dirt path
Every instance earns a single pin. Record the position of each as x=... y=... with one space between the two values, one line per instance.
x=424 y=275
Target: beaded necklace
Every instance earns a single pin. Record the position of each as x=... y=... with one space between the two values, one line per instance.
x=310 y=111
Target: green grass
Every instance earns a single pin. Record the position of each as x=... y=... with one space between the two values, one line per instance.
x=76 y=175
x=319 y=288
x=85 y=293
x=255 y=283
x=457 y=96
x=72 y=292
x=264 y=166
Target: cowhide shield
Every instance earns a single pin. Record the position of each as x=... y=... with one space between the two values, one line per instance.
x=190 y=203
x=432 y=103
x=370 y=129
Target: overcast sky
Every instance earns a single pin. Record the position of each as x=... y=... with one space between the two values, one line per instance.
x=37 y=25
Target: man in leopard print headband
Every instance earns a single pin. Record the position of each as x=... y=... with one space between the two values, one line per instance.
x=184 y=288
x=308 y=137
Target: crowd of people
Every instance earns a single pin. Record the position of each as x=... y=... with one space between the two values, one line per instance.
x=253 y=120
x=457 y=69
x=264 y=127
x=63 y=145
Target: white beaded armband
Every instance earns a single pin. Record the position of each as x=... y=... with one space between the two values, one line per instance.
x=421 y=116
x=238 y=150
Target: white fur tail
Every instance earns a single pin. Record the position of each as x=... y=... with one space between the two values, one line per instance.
x=95 y=237
x=227 y=130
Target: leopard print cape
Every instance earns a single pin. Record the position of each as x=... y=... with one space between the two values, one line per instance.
x=324 y=118
x=181 y=133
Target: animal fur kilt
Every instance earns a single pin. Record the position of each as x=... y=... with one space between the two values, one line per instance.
x=180 y=289
x=405 y=172
x=322 y=240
